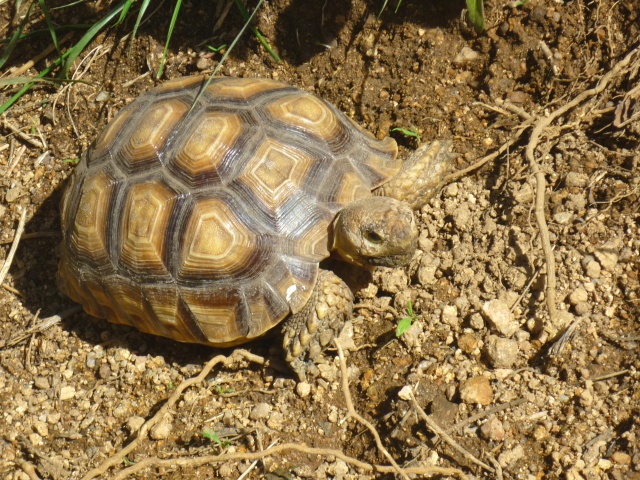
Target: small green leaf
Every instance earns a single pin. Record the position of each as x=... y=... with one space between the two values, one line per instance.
x=71 y=160
x=476 y=14
x=406 y=322
x=209 y=433
x=403 y=326
x=216 y=49
x=407 y=133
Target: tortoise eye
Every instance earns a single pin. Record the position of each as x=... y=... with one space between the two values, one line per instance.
x=372 y=236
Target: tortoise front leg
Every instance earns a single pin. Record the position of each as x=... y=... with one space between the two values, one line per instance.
x=421 y=176
x=308 y=332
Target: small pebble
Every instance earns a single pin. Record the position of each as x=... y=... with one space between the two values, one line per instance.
x=41 y=428
x=508 y=457
x=41 y=383
x=574 y=179
x=104 y=372
x=466 y=55
x=134 y=423
x=582 y=308
x=578 y=295
x=162 y=429
x=275 y=421
x=260 y=411
x=608 y=259
x=405 y=393
x=592 y=269
x=620 y=458
x=468 y=343
x=12 y=194
x=501 y=352
x=476 y=390
x=303 y=389
x=67 y=393
x=493 y=430
x=499 y=315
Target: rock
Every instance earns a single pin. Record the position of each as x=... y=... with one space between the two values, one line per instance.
x=275 y=421
x=134 y=423
x=405 y=393
x=582 y=308
x=563 y=217
x=592 y=269
x=303 y=389
x=104 y=372
x=509 y=457
x=577 y=180
x=393 y=280
x=501 y=352
x=608 y=259
x=476 y=390
x=41 y=428
x=12 y=194
x=493 y=430
x=451 y=190
x=450 y=315
x=466 y=55
x=260 y=411
x=41 y=383
x=476 y=322
x=427 y=270
x=162 y=429
x=468 y=343
x=67 y=393
x=578 y=295
x=462 y=217
x=499 y=315
x=443 y=411
x=620 y=458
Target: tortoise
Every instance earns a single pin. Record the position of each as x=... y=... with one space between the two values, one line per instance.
x=207 y=222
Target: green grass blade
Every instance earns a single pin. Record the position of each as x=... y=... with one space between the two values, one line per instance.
x=176 y=10
x=68 y=5
x=476 y=14
x=8 y=50
x=50 y=26
x=60 y=29
x=6 y=105
x=124 y=12
x=143 y=8
x=226 y=53
x=256 y=32
x=87 y=37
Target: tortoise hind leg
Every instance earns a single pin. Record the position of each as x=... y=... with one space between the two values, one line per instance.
x=308 y=332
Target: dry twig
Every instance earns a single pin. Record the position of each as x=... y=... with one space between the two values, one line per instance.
x=437 y=430
x=142 y=433
x=14 y=246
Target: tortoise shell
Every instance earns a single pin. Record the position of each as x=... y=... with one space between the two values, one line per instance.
x=205 y=223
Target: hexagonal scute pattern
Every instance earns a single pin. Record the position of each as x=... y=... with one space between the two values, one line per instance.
x=205 y=222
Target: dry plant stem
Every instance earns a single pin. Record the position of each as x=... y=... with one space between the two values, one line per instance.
x=42 y=56
x=194 y=462
x=435 y=428
x=14 y=246
x=16 y=131
x=461 y=173
x=41 y=326
x=29 y=469
x=142 y=433
x=352 y=411
x=540 y=125
x=486 y=413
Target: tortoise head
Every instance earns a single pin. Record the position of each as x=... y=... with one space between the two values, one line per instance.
x=375 y=231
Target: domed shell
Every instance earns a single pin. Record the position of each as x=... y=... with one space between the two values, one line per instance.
x=205 y=223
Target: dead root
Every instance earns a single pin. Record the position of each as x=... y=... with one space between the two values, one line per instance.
x=193 y=462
